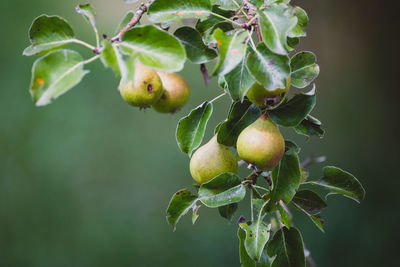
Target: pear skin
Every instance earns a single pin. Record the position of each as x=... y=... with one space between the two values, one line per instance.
x=261 y=144
x=211 y=160
x=262 y=97
x=144 y=89
x=175 y=95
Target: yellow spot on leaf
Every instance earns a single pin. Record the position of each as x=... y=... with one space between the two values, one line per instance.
x=235 y=51
x=180 y=13
x=219 y=42
x=199 y=13
x=39 y=81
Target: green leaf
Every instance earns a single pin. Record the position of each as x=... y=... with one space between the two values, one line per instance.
x=245 y=260
x=54 y=74
x=195 y=216
x=87 y=12
x=109 y=56
x=315 y=218
x=48 y=33
x=228 y=4
x=293 y=112
x=228 y=211
x=257 y=236
x=196 y=50
x=204 y=26
x=239 y=81
x=155 y=48
x=164 y=10
x=284 y=215
x=181 y=202
x=190 y=131
x=338 y=181
x=310 y=126
x=309 y=201
x=269 y=69
x=232 y=49
x=222 y=190
x=240 y=116
x=286 y=178
x=304 y=69
x=291 y=147
x=287 y=245
x=302 y=20
x=276 y=23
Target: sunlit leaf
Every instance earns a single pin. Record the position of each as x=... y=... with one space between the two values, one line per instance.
x=164 y=10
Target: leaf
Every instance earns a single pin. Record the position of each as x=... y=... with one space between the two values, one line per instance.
x=286 y=178
x=205 y=25
x=291 y=147
x=338 y=181
x=228 y=211
x=239 y=81
x=109 y=56
x=310 y=126
x=269 y=69
x=165 y=10
x=195 y=216
x=54 y=74
x=309 y=201
x=222 y=190
x=245 y=260
x=155 y=48
x=48 y=33
x=304 y=69
x=190 y=131
x=87 y=12
x=287 y=245
x=293 y=112
x=196 y=50
x=315 y=218
x=284 y=216
x=240 y=116
x=181 y=202
x=302 y=20
x=257 y=236
x=228 y=4
x=276 y=23
x=232 y=49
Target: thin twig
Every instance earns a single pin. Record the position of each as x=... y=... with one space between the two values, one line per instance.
x=136 y=18
x=204 y=71
x=218 y=97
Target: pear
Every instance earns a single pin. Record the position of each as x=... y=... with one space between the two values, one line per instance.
x=211 y=160
x=261 y=144
x=144 y=89
x=262 y=97
x=175 y=95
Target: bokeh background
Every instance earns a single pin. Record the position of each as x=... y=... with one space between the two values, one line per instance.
x=86 y=181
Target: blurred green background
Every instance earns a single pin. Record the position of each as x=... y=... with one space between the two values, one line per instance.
x=86 y=181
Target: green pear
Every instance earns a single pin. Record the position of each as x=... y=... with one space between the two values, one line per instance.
x=211 y=160
x=262 y=97
x=144 y=89
x=261 y=144
x=175 y=95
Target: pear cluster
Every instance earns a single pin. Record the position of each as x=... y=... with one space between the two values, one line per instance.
x=165 y=92
x=260 y=144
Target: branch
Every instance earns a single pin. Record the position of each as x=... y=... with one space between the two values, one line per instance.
x=136 y=18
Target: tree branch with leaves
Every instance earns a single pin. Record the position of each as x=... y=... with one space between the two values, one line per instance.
x=252 y=44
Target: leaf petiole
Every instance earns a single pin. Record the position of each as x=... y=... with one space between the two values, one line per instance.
x=222 y=17
x=218 y=97
x=91 y=47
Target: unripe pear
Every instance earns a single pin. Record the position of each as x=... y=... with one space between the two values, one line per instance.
x=262 y=97
x=261 y=144
x=175 y=95
x=144 y=89
x=211 y=160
